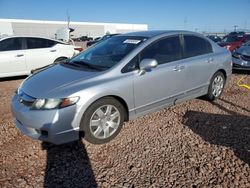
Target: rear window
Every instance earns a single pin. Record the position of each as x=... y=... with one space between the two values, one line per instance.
x=195 y=46
x=11 y=44
x=51 y=43
x=230 y=38
x=33 y=43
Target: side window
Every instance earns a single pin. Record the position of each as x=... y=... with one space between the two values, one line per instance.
x=33 y=43
x=11 y=44
x=51 y=43
x=132 y=65
x=194 y=46
x=164 y=51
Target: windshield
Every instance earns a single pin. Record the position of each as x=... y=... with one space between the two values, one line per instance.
x=247 y=43
x=105 y=37
x=231 y=39
x=107 y=53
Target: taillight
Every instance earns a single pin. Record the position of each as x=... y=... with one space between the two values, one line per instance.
x=79 y=49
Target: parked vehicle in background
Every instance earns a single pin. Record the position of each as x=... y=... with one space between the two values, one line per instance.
x=20 y=55
x=100 y=39
x=232 y=42
x=214 y=38
x=119 y=79
x=237 y=33
x=247 y=37
x=93 y=41
x=83 y=39
x=241 y=57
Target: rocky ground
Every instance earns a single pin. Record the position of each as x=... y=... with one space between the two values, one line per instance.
x=194 y=144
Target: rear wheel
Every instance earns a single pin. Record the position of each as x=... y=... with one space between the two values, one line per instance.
x=216 y=86
x=103 y=120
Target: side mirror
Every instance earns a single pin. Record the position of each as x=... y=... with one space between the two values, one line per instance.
x=147 y=64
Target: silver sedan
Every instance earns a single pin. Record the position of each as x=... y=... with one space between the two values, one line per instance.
x=117 y=80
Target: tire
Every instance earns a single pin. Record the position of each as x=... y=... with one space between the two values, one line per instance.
x=216 y=86
x=103 y=120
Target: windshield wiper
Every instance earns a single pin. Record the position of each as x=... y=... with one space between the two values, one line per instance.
x=83 y=63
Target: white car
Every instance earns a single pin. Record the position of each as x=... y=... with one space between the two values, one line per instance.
x=20 y=55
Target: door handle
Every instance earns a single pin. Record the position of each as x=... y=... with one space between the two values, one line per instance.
x=210 y=60
x=179 y=67
x=19 y=55
x=52 y=50
x=182 y=67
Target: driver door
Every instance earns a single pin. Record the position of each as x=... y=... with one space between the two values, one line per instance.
x=160 y=86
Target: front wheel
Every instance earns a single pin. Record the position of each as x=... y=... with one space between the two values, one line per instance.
x=216 y=86
x=103 y=120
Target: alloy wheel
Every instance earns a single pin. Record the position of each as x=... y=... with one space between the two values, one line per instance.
x=105 y=121
x=217 y=85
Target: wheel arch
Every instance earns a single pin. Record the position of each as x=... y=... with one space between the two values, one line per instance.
x=123 y=102
x=119 y=99
x=223 y=72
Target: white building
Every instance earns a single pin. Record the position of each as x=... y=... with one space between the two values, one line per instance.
x=49 y=28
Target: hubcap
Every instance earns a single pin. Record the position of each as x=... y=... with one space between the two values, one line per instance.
x=104 y=121
x=217 y=85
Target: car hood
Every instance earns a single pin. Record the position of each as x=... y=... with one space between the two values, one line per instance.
x=244 y=50
x=55 y=81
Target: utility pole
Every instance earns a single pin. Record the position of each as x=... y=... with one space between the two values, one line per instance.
x=235 y=27
x=68 y=18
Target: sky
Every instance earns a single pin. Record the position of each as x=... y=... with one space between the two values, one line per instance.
x=195 y=15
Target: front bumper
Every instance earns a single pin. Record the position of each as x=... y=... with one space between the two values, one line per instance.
x=240 y=64
x=55 y=126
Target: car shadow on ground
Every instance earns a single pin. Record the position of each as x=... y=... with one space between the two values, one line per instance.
x=231 y=130
x=233 y=104
x=246 y=72
x=68 y=165
x=12 y=78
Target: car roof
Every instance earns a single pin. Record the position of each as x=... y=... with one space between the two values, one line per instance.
x=26 y=36
x=154 y=33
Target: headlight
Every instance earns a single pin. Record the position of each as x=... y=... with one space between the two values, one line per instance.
x=46 y=104
x=236 y=55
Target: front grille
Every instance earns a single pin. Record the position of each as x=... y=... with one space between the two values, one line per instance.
x=26 y=99
x=236 y=65
x=240 y=66
x=245 y=57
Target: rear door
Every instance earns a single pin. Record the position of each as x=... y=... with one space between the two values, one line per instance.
x=199 y=64
x=12 y=57
x=40 y=52
x=162 y=84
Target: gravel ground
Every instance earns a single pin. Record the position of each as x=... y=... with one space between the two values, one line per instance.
x=193 y=144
